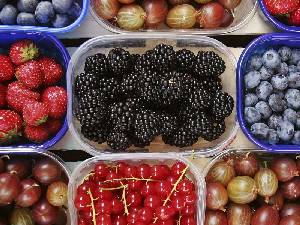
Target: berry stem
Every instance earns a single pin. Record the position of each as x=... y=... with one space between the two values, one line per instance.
x=175 y=185
x=179 y=220
x=88 y=176
x=124 y=200
x=129 y=178
x=93 y=206
x=116 y=188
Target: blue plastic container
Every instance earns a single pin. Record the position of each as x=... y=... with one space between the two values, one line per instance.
x=50 y=46
x=275 y=22
x=259 y=45
x=85 y=6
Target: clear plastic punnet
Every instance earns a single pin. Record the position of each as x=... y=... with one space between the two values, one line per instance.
x=243 y=13
x=84 y=169
x=139 y=43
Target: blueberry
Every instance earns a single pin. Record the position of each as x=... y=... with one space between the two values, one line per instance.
x=279 y=82
x=61 y=20
x=2 y=3
x=252 y=115
x=298 y=66
x=296 y=138
x=265 y=73
x=264 y=109
x=273 y=137
x=250 y=99
x=285 y=53
x=294 y=79
x=252 y=79
x=298 y=120
x=293 y=68
x=292 y=97
x=264 y=90
x=274 y=120
x=62 y=6
x=26 y=19
x=283 y=69
x=277 y=103
x=44 y=12
x=295 y=57
x=260 y=130
x=285 y=130
x=8 y=15
x=27 y=5
x=290 y=115
x=255 y=62
x=75 y=11
x=271 y=59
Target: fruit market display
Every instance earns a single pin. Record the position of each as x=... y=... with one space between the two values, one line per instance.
x=54 y=13
x=129 y=99
x=32 y=191
x=272 y=98
x=286 y=11
x=254 y=189
x=158 y=14
x=32 y=106
x=127 y=194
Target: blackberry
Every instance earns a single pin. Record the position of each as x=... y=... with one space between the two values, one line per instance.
x=181 y=138
x=145 y=62
x=185 y=60
x=208 y=64
x=164 y=58
x=212 y=84
x=97 y=64
x=198 y=97
x=85 y=82
x=214 y=130
x=139 y=143
x=222 y=105
x=129 y=84
x=168 y=123
x=110 y=87
x=118 y=140
x=120 y=61
x=134 y=58
x=148 y=88
x=96 y=133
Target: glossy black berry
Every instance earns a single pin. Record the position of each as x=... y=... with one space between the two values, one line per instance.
x=118 y=140
x=97 y=64
x=85 y=82
x=164 y=58
x=222 y=105
x=120 y=61
x=185 y=60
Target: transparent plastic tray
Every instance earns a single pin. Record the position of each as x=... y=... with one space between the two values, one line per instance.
x=84 y=168
x=242 y=15
x=139 y=43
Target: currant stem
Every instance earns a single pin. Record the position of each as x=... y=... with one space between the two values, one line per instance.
x=88 y=176
x=124 y=200
x=93 y=206
x=129 y=178
x=116 y=188
x=179 y=220
x=175 y=185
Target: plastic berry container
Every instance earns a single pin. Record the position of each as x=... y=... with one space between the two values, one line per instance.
x=243 y=13
x=139 y=43
x=259 y=45
x=36 y=155
x=50 y=46
x=274 y=21
x=84 y=169
x=84 y=10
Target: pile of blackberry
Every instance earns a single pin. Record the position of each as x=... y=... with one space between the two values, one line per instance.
x=128 y=99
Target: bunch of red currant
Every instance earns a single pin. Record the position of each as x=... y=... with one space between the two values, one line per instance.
x=123 y=194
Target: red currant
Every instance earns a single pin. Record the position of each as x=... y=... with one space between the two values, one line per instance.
x=103 y=219
x=137 y=223
x=160 y=172
x=119 y=220
x=103 y=206
x=177 y=168
x=113 y=177
x=188 y=210
x=101 y=170
x=130 y=171
x=133 y=217
x=146 y=215
x=188 y=220
x=144 y=171
x=166 y=222
x=134 y=199
x=190 y=199
x=185 y=186
x=172 y=180
x=163 y=188
x=148 y=189
x=86 y=214
x=134 y=185
x=152 y=201
x=121 y=166
x=83 y=202
x=103 y=194
x=117 y=206
x=178 y=203
x=164 y=213
x=134 y=209
x=85 y=187
x=82 y=221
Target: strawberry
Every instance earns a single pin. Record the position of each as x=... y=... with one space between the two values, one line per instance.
x=3 y=90
x=7 y=70
x=18 y=95
x=56 y=99
x=51 y=69
x=53 y=125
x=36 y=134
x=23 y=51
x=10 y=126
x=30 y=74
x=279 y=7
x=294 y=18
x=35 y=113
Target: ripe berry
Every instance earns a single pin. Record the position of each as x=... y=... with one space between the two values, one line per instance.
x=188 y=220
x=103 y=206
x=101 y=170
x=159 y=172
x=85 y=187
x=56 y=99
x=119 y=220
x=133 y=217
x=53 y=125
x=103 y=194
x=82 y=202
x=36 y=134
x=6 y=68
x=144 y=171
x=152 y=201
x=103 y=219
x=185 y=186
x=148 y=188
x=146 y=215
x=117 y=206
x=188 y=210
x=177 y=168
x=134 y=199
x=163 y=188
x=113 y=177
x=178 y=203
x=134 y=185
x=164 y=212
x=130 y=171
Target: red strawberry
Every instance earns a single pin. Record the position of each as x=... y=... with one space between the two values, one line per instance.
x=36 y=134
x=3 y=90
x=53 y=125
x=56 y=99
x=279 y=7
x=7 y=70
x=294 y=18
x=51 y=69
x=23 y=51
x=30 y=74
x=10 y=125
x=18 y=95
x=35 y=113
